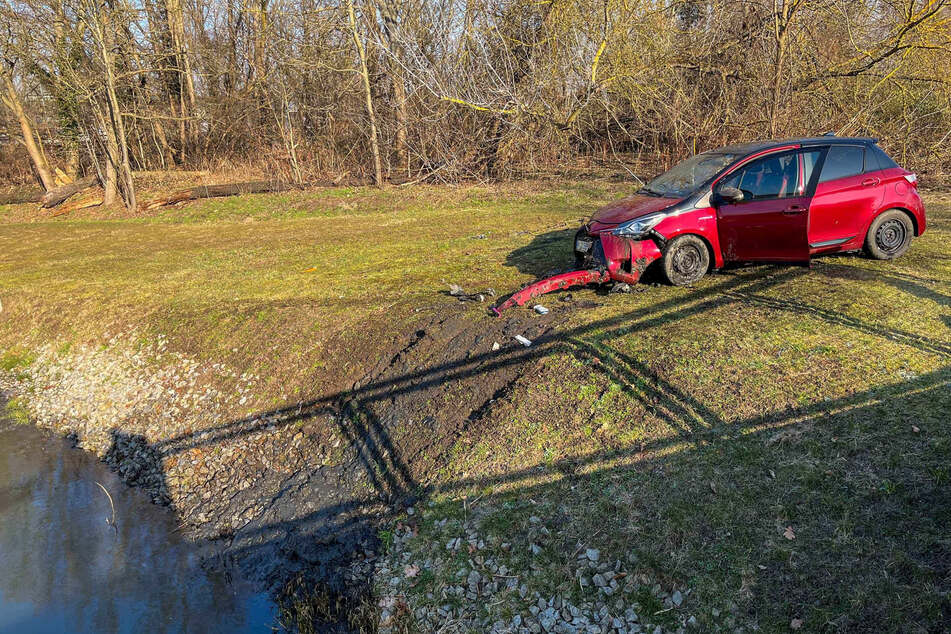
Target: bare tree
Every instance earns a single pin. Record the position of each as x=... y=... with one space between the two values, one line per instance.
x=11 y=99
x=456 y=89
x=118 y=171
x=368 y=95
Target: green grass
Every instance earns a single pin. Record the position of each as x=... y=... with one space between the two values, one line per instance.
x=13 y=359
x=16 y=411
x=689 y=428
x=280 y=283
x=680 y=430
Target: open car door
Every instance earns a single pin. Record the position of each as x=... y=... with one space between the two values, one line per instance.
x=771 y=221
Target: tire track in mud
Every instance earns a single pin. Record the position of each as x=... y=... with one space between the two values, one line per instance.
x=399 y=420
x=443 y=382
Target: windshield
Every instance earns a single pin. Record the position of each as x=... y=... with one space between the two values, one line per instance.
x=684 y=178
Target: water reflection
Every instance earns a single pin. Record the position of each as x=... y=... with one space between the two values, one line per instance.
x=63 y=567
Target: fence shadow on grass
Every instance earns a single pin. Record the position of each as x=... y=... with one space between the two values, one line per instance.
x=324 y=519
x=906 y=528
x=921 y=287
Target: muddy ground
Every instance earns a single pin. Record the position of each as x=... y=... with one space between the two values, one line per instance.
x=399 y=421
x=347 y=461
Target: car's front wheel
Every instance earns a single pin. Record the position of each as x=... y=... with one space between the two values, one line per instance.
x=686 y=260
x=890 y=235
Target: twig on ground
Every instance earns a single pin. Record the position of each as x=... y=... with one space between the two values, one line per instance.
x=110 y=522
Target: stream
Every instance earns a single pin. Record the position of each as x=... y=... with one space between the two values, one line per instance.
x=66 y=566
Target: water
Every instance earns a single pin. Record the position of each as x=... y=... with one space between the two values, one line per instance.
x=64 y=568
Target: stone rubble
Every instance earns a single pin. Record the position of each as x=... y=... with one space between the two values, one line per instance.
x=474 y=588
x=155 y=418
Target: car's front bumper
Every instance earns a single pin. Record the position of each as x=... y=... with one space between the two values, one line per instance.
x=613 y=253
x=626 y=260
x=608 y=259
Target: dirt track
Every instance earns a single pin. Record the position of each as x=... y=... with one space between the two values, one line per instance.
x=399 y=420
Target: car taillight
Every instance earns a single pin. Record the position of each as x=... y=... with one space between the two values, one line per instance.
x=912 y=178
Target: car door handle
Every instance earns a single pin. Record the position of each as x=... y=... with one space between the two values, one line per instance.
x=868 y=182
x=794 y=209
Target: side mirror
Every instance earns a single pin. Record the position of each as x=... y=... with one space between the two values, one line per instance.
x=730 y=195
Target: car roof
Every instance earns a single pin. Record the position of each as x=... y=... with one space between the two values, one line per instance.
x=745 y=149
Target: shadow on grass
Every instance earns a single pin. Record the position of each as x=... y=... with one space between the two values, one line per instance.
x=323 y=519
x=547 y=254
x=921 y=287
x=868 y=498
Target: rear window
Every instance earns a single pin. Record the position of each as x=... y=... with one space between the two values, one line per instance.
x=843 y=161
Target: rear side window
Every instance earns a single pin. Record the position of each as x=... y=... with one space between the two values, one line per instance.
x=843 y=161
x=876 y=159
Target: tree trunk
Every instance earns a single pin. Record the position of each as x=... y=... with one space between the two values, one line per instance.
x=72 y=161
x=118 y=147
x=110 y=186
x=390 y=23
x=11 y=100
x=260 y=43
x=237 y=189
x=365 y=73
x=779 y=59
x=186 y=85
x=783 y=11
x=168 y=154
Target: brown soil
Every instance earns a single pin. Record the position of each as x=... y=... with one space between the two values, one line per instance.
x=398 y=422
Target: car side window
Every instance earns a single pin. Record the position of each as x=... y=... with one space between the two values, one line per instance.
x=882 y=160
x=809 y=160
x=766 y=178
x=843 y=161
x=872 y=164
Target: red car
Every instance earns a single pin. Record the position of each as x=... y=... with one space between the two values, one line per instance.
x=770 y=201
x=766 y=202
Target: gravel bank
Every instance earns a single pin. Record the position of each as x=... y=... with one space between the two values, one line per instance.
x=151 y=415
x=452 y=574
x=271 y=488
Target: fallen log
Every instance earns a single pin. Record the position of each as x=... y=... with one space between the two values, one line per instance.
x=21 y=195
x=237 y=189
x=219 y=191
x=59 y=195
x=77 y=205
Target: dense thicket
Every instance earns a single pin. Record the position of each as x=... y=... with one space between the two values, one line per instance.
x=455 y=89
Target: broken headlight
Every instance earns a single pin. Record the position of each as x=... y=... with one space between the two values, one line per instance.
x=638 y=227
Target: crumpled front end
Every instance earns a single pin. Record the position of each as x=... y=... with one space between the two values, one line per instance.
x=625 y=259
x=613 y=259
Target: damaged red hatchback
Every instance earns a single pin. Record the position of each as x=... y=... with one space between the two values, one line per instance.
x=770 y=201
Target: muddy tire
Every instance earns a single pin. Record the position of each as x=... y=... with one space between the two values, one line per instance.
x=890 y=235
x=686 y=260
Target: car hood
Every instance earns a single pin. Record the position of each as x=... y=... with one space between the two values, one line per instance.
x=626 y=209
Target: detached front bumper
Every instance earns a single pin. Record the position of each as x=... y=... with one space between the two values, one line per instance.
x=610 y=259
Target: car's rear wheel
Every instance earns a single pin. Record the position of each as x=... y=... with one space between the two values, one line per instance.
x=686 y=260
x=890 y=235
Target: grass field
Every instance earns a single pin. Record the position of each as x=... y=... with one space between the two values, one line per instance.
x=776 y=440
x=281 y=283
